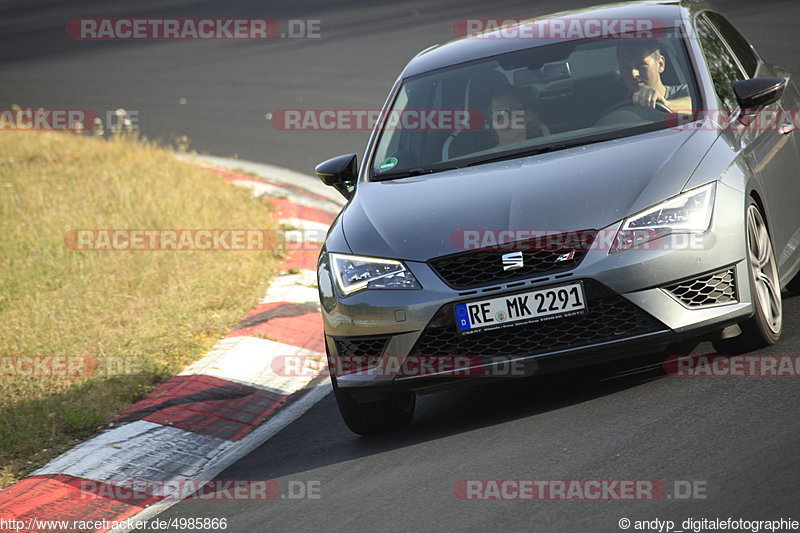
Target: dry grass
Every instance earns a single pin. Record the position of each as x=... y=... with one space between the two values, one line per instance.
x=154 y=310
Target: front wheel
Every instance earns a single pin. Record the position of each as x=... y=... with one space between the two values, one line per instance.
x=765 y=326
x=374 y=417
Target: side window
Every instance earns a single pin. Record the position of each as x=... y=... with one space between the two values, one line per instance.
x=741 y=48
x=723 y=68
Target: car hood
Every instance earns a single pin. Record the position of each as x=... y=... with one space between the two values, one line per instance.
x=586 y=187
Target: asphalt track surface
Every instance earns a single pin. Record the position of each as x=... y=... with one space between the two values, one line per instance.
x=738 y=438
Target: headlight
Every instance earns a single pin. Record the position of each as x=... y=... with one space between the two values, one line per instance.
x=354 y=273
x=689 y=212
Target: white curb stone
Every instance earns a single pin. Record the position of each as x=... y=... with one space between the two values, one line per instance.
x=293 y=288
x=258 y=362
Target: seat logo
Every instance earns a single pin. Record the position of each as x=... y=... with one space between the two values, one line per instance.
x=513 y=261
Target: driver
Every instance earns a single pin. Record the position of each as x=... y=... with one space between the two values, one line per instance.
x=641 y=64
x=513 y=117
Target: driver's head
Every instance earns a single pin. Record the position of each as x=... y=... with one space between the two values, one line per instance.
x=640 y=64
x=510 y=114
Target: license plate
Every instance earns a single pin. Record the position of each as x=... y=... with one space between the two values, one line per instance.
x=521 y=308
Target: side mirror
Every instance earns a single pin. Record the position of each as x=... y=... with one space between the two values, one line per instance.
x=340 y=173
x=758 y=92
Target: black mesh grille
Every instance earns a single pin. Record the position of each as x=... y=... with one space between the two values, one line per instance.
x=609 y=317
x=466 y=270
x=357 y=353
x=360 y=346
x=707 y=290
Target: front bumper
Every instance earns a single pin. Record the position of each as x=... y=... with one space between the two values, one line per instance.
x=630 y=310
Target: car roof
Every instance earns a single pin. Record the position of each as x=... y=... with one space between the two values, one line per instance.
x=670 y=12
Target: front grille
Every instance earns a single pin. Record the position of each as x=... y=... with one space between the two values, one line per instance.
x=473 y=268
x=708 y=290
x=609 y=317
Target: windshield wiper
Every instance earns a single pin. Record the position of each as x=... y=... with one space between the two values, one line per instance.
x=409 y=173
x=524 y=153
x=539 y=150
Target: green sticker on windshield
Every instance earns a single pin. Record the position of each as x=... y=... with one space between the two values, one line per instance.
x=388 y=164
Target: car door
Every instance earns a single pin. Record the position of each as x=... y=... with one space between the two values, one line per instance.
x=769 y=147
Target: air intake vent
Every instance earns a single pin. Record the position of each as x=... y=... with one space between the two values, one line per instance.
x=361 y=346
x=707 y=290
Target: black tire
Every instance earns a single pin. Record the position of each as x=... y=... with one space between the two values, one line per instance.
x=765 y=326
x=375 y=417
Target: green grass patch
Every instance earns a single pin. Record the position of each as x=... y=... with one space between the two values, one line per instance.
x=143 y=315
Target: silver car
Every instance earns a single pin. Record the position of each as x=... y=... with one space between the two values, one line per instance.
x=558 y=192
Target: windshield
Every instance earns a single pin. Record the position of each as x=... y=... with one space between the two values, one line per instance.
x=534 y=100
